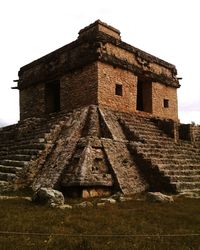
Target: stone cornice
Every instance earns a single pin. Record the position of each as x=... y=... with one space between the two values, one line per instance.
x=138 y=71
x=84 y=51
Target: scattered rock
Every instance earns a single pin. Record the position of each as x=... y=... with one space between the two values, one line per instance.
x=84 y=204
x=48 y=196
x=116 y=196
x=124 y=198
x=109 y=200
x=101 y=204
x=159 y=197
x=65 y=206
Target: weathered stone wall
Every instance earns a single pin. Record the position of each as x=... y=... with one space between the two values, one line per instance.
x=89 y=69
x=159 y=93
x=108 y=77
x=79 y=88
x=32 y=101
x=137 y=60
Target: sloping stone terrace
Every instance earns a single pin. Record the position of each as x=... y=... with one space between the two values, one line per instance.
x=94 y=151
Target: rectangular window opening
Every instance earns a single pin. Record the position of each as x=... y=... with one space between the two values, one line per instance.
x=166 y=103
x=118 y=89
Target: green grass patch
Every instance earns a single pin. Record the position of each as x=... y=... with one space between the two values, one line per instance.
x=118 y=226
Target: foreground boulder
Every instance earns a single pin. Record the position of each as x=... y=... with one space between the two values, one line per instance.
x=48 y=196
x=159 y=197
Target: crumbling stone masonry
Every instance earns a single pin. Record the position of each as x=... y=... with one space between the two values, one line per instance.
x=99 y=116
x=98 y=68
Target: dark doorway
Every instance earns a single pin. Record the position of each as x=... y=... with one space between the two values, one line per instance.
x=52 y=96
x=140 y=95
x=144 y=95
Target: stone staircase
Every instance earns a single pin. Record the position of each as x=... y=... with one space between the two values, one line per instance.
x=138 y=149
x=171 y=166
x=24 y=142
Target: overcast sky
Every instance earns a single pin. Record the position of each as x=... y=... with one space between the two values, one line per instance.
x=168 y=29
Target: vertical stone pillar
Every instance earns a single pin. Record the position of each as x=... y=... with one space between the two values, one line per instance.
x=175 y=128
x=93 y=126
x=192 y=133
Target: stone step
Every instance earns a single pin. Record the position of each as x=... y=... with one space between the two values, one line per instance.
x=7 y=176
x=138 y=120
x=161 y=155
x=29 y=146
x=179 y=150
x=193 y=191
x=33 y=134
x=25 y=140
x=156 y=138
x=5 y=186
x=154 y=144
x=180 y=186
x=3 y=151
x=32 y=152
x=181 y=172
x=17 y=157
x=14 y=163
x=22 y=141
x=169 y=156
x=184 y=178
x=9 y=169
x=165 y=147
x=152 y=138
x=145 y=129
x=160 y=143
x=186 y=167
x=174 y=161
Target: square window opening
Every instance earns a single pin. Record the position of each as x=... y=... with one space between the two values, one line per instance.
x=166 y=103
x=118 y=90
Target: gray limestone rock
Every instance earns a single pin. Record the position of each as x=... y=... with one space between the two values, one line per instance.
x=159 y=197
x=65 y=206
x=125 y=198
x=109 y=200
x=48 y=196
x=101 y=204
x=83 y=204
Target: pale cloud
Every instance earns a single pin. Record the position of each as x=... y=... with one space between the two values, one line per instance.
x=191 y=116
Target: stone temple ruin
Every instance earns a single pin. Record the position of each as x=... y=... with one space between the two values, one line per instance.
x=99 y=116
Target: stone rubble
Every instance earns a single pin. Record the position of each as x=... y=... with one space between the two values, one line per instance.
x=159 y=197
x=48 y=196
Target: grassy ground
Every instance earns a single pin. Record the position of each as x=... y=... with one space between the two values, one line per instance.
x=118 y=226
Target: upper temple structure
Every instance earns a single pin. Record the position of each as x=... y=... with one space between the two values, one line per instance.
x=99 y=116
x=98 y=68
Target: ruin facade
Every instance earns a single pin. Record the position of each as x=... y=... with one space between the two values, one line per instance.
x=99 y=69
x=99 y=116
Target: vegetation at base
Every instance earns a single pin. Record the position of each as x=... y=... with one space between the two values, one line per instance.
x=124 y=219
